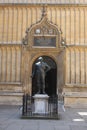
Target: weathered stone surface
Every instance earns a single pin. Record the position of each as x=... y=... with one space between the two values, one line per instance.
x=16 y=60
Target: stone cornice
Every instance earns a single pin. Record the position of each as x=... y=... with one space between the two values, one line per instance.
x=40 y=4
x=44 y=2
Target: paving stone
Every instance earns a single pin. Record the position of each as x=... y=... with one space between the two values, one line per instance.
x=78 y=127
x=69 y=120
x=14 y=127
x=1 y=128
x=61 y=128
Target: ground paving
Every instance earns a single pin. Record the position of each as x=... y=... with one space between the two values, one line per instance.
x=70 y=119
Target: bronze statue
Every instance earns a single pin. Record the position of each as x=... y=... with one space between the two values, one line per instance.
x=40 y=70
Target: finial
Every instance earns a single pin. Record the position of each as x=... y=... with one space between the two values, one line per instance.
x=44 y=10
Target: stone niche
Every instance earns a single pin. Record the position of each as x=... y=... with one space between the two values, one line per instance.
x=43 y=39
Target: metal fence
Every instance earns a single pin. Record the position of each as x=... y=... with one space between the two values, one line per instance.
x=29 y=108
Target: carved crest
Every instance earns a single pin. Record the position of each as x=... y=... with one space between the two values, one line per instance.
x=43 y=34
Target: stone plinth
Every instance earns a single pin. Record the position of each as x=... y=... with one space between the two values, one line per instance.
x=11 y=98
x=41 y=103
x=75 y=96
x=75 y=99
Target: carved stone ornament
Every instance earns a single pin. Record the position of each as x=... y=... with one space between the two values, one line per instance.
x=43 y=34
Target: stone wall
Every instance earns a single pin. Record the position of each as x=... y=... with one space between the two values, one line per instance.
x=14 y=20
x=15 y=60
x=10 y=64
x=76 y=65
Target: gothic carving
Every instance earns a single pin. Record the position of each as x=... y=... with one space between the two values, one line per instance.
x=43 y=34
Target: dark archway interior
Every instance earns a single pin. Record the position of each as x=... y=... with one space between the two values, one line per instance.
x=50 y=79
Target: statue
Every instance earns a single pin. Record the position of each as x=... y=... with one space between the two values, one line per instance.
x=40 y=70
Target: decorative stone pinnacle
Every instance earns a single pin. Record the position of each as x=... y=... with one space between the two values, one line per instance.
x=44 y=10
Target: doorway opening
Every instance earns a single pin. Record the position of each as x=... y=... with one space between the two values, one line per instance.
x=50 y=78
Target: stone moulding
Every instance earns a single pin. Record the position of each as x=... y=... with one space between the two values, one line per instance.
x=43 y=34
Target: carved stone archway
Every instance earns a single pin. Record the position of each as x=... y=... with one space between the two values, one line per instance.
x=42 y=39
x=43 y=34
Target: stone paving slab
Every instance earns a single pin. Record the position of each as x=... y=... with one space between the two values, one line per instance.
x=61 y=127
x=78 y=127
x=70 y=119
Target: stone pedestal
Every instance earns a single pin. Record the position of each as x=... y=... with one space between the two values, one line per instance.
x=41 y=103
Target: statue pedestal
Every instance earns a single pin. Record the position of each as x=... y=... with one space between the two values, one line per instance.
x=41 y=103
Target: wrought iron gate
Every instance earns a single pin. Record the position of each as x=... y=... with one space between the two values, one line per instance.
x=28 y=108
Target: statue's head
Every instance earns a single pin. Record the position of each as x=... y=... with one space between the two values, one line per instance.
x=40 y=59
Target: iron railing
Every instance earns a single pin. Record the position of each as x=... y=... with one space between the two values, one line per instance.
x=29 y=108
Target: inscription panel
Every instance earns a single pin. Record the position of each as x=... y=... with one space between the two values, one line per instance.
x=45 y=41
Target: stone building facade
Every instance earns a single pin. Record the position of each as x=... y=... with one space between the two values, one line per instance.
x=63 y=26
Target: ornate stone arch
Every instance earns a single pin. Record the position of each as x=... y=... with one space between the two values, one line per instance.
x=49 y=37
x=43 y=54
x=51 y=76
x=38 y=55
x=43 y=34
